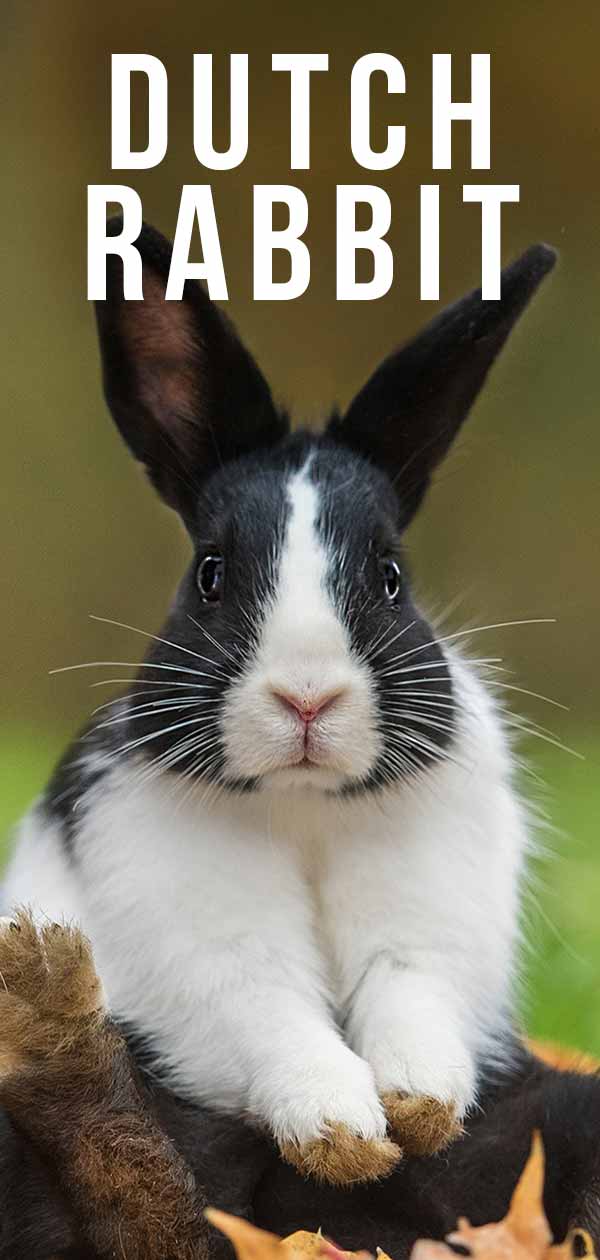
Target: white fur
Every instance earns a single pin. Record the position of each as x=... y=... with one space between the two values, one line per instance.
x=294 y=954
x=304 y=651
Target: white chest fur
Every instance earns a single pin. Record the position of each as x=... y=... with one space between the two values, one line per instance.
x=243 y=936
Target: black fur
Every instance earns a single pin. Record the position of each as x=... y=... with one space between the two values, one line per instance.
x=409 y=412
x=185 y=394
x=239 y=1171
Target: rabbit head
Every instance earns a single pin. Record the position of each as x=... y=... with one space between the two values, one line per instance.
x=279 y=662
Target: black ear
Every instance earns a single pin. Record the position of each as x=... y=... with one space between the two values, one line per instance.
x=183 y=391
x=407 y=415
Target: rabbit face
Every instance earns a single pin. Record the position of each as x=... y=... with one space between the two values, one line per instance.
x=293 y=654
x=314 y=704
x=292 y=627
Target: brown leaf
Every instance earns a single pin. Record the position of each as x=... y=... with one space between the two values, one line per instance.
x=302 y=1243
x=252 y=1243
x=564 y=1059
x=577 y=1243
x=524 y=1234
x=526 y=1217
x=427 y=1249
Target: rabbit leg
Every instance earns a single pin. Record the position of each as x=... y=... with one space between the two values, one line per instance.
x=67 y=1081
x=407 y=1025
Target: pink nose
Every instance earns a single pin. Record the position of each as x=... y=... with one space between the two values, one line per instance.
x=307 y=709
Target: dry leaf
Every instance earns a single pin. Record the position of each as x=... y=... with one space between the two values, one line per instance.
x=312 y=1246
x=577 y=1243
x=305 y=1244
x=524 y=1234
x=252 y=1243
x=565 y=1060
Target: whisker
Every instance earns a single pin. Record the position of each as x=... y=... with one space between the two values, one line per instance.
x=404 y=759
x=176 y=669
x=377 y=638
x=386 y=646
x=144 y=739
x=458 y=634
x=156 y=637
x=126 y=696
x=418 y=741
x=408 y=669
x=527 y=728
x=149 y=682
x=444 y=703
x=422 y=719
x=535 y=694
x=199 y=767
x=214 y=641
x=141 y=711
x=183 y=747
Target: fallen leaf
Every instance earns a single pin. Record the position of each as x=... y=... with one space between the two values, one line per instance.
x=250 y=1243
x=524 y=1234
x=306 y=1244
x=564 y=1059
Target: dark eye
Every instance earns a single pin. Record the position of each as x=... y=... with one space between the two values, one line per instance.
x=209 y=578
x=390 y=573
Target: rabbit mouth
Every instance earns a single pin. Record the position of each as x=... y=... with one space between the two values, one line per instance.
x=303 y=775
x=311 y=754
x=308 y=760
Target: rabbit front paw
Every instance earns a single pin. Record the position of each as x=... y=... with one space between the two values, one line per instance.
x=328 y=1120
x=49 y=991
x=422 y=1125
x=341 y=1157
x=426 y=1089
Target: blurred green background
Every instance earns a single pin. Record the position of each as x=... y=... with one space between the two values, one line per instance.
x=511 y=528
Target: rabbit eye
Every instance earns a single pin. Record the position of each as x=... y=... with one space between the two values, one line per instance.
x=209 y=578
x=390 y=573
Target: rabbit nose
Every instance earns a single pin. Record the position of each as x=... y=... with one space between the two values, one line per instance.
x=307 y=707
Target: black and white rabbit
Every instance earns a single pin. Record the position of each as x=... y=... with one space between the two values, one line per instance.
x=295 y=842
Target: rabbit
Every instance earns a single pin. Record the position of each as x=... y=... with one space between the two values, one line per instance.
x=295 y=842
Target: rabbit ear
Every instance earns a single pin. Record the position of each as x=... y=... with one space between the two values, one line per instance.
x=409 y=412
x=182 y=389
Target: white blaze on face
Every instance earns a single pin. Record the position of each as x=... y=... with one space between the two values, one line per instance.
x=304 y=654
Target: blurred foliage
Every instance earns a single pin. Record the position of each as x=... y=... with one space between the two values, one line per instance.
x=561 y=961
x=511 y=529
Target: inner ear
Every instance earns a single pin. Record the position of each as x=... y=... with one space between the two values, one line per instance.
x=184 y=392
x=163 y=349
x=166 y=429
